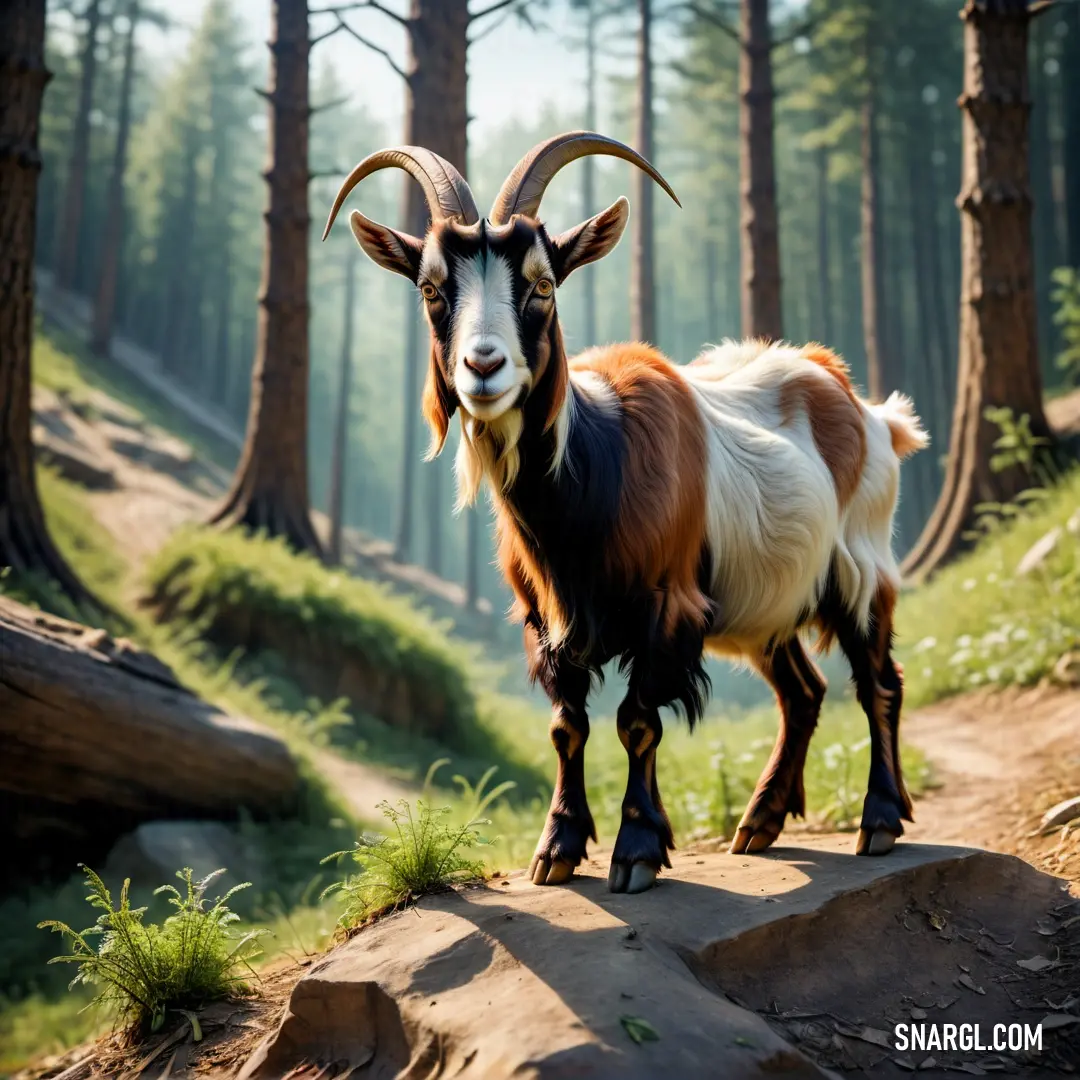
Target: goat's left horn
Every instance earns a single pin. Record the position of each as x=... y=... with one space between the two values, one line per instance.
x=445 y=189
x=525 y=186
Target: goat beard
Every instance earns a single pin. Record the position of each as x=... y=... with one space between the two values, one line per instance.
x=487 y=448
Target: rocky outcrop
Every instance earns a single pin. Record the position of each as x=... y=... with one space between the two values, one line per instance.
x=793 y=964
x=98 y=737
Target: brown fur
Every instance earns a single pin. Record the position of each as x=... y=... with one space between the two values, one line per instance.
x=661 y=525
x=437 y=403
x=835 y=423
x=832 y=363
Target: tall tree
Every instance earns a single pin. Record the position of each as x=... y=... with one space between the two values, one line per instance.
x=760 y=250
x=999 y=364
x=270 y=489
x=340 y=453
x=1070 y=73
x=642 y=279
x=69 y=220
x=25 y=544
x=113 y=238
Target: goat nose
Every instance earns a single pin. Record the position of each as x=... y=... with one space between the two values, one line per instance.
x=484 y=360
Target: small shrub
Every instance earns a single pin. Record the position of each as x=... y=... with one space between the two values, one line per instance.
x=189 y=959
x=1066 y=294
x=422 y=855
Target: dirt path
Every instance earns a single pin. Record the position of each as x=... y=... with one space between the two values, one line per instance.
x=999 y=762
x=361 y=786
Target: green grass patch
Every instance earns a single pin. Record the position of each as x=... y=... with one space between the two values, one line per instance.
x=977 y=623
x=328 y=630
x=423 y=852
x=144 y=969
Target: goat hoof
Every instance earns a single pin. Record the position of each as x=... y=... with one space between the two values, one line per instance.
x=876 y=842
x=547 y=871
x=751 y=841
x=632 y=878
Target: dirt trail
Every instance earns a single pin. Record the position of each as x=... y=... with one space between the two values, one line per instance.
x=999 y=762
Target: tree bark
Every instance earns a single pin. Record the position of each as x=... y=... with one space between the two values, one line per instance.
x=99 y=737
x=999 y=364
x=760 y=247
x=435 y=118
x=1070 y=73
x=113 y=239
x=270 y=488
x=341 y=422
x=879 y=377
x=69 y=220
x=588 y=169
x=25 y=544
x=823 y=245
x=642 y=266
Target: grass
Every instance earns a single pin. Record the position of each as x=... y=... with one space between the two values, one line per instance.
x=978 y=624
x=420 y=854
x=238 y=590
x=191 y=958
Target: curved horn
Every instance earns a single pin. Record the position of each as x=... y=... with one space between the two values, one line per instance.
x=447 y=193
x=525 y=186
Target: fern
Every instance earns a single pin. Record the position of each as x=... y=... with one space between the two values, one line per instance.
x=144 y=968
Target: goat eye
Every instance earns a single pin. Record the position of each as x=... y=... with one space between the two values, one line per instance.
x=428 y=291
x=544 y=288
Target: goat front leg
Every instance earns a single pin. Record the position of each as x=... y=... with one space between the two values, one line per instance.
x=569 y=822
x=645 y=836
x=800 y=690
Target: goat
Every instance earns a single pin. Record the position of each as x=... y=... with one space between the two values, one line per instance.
x=651 y=512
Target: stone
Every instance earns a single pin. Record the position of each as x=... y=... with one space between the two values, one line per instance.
x=1039 y=552
x=71 y=462
x=1062 y=813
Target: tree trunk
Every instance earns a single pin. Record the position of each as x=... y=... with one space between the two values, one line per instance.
x=341 y=423
x=999 y=364
x=113 y=239
x=1070 y=74
x=69 y=220
x=824 y=263
x=25 y=544
x=642 y=283
x=270 y=489
x=760 y=247
x=879 y=377
x=588 y=170
x=435 y=118
x=1046 y=251
x=99 y=737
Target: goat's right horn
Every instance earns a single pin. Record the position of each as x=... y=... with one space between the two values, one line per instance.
x=525 y=186
x=445 y=189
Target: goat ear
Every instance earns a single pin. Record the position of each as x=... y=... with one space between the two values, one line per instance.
x=439 y=404
x=389 y=248
x=589 y=241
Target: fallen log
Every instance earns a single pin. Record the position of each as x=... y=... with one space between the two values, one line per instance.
x=97 y=736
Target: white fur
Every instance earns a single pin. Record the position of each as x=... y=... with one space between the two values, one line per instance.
x=484 y=315
x=775 y=525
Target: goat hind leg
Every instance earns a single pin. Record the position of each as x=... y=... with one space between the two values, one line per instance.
x=800 y=690
x=879 y=687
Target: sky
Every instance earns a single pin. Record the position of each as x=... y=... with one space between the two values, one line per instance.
x=512 y=66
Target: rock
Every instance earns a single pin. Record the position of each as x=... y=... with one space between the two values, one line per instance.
x=1039 y=552
x=152 y=854
x=1062 y=814
x=1067 y=670
x=508 y=979
x=70 y=462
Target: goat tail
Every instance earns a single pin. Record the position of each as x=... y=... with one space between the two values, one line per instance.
x=905 y=428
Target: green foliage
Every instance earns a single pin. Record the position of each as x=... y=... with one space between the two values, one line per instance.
x=1066 y=295
x=976 y=623
x=423 y=855
x=205 y=577
x=144 y=969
